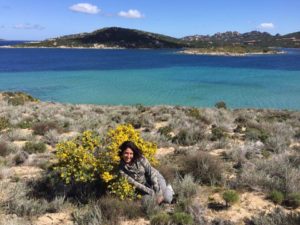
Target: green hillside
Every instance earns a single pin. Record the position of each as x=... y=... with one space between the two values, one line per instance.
x=114 y=37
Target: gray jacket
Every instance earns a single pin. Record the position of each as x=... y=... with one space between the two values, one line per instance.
x=142 y=175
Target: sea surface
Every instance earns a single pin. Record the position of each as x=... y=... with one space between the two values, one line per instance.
x=153 y=77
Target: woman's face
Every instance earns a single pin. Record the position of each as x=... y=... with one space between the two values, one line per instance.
x=127 y=155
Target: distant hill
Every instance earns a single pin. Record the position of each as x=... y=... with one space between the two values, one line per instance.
x=253 y=38
x=114 y=37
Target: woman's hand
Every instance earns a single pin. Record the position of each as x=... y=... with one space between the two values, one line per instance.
x=159 y=199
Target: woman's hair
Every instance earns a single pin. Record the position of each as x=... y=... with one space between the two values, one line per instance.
x=137 y=153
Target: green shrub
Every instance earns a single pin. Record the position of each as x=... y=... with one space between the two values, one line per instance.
x=221 y=105
x=160 y=219
x=141 y=108
x=4 y=123
x=241 y=120
x=19 y=202
x=34 y=147
x=206 y=168
x=185 y=187
x=276 y=196
x=187 y=137
x=279 y=116
x=181 y=218
x=41 y=128
x=113 y=209
x=4 y=149
x=195 y=113
x=20 y=157
x=217 y=133
x=135 y=121
x=230 y=197
x=256 y=134
x=273 y=173
x=293 y=200
x=150 y=206
x=27 y=123
x=165 y=131
x=297 y=134
x=18 y=98
x=265 y=153
x=90 y=215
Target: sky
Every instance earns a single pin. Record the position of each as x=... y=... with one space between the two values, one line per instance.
x=42 y=19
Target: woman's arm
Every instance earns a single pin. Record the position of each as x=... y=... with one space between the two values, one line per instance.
x=137 y=185
x=151 y=173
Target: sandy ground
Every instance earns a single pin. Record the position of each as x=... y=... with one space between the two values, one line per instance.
x=164 y=151
x=140 y=221
x=26 y=172
x=54 y=219
x=160 y=124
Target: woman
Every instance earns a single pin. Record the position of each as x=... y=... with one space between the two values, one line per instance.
x=138 y=171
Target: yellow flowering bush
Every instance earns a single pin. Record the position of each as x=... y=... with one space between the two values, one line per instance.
x=76 y=158
x=84 y=159
x=127 y=133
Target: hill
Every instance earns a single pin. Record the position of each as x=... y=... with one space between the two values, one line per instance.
x=113 y=37
x=116 y=37
x=253 y=38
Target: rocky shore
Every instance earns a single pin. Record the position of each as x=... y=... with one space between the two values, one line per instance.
x=227 y=53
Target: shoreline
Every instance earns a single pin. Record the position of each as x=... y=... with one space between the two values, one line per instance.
x=186 y=51
x=62 y=47
x=228 y=107
x=218 y=53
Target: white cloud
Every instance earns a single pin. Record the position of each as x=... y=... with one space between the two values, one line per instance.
x=266 y=26
x=85 y=8
x=28 y=26
x=131 y=13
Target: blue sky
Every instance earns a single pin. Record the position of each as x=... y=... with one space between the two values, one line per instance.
x=41 y=19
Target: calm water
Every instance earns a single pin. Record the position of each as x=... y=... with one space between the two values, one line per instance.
x=152 y=77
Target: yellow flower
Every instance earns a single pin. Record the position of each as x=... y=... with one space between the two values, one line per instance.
x=106 y=176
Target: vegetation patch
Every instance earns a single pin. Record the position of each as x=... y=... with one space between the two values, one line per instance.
x=4 y=149
x=4 y=123
x=18 y=98
x=206 y=168
x=196 y=113
x=217 y=133
x=34 y=147
x=221 y=105
x=40 y=128
x=255 y=134
x=166 y=131
x=277 y=197
x=230 y=197
x=187 y=137
x=293 y=200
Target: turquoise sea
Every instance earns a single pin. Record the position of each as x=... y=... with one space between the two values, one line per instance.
x=153 y=77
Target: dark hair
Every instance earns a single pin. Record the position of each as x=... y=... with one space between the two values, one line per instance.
x=137 y=153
